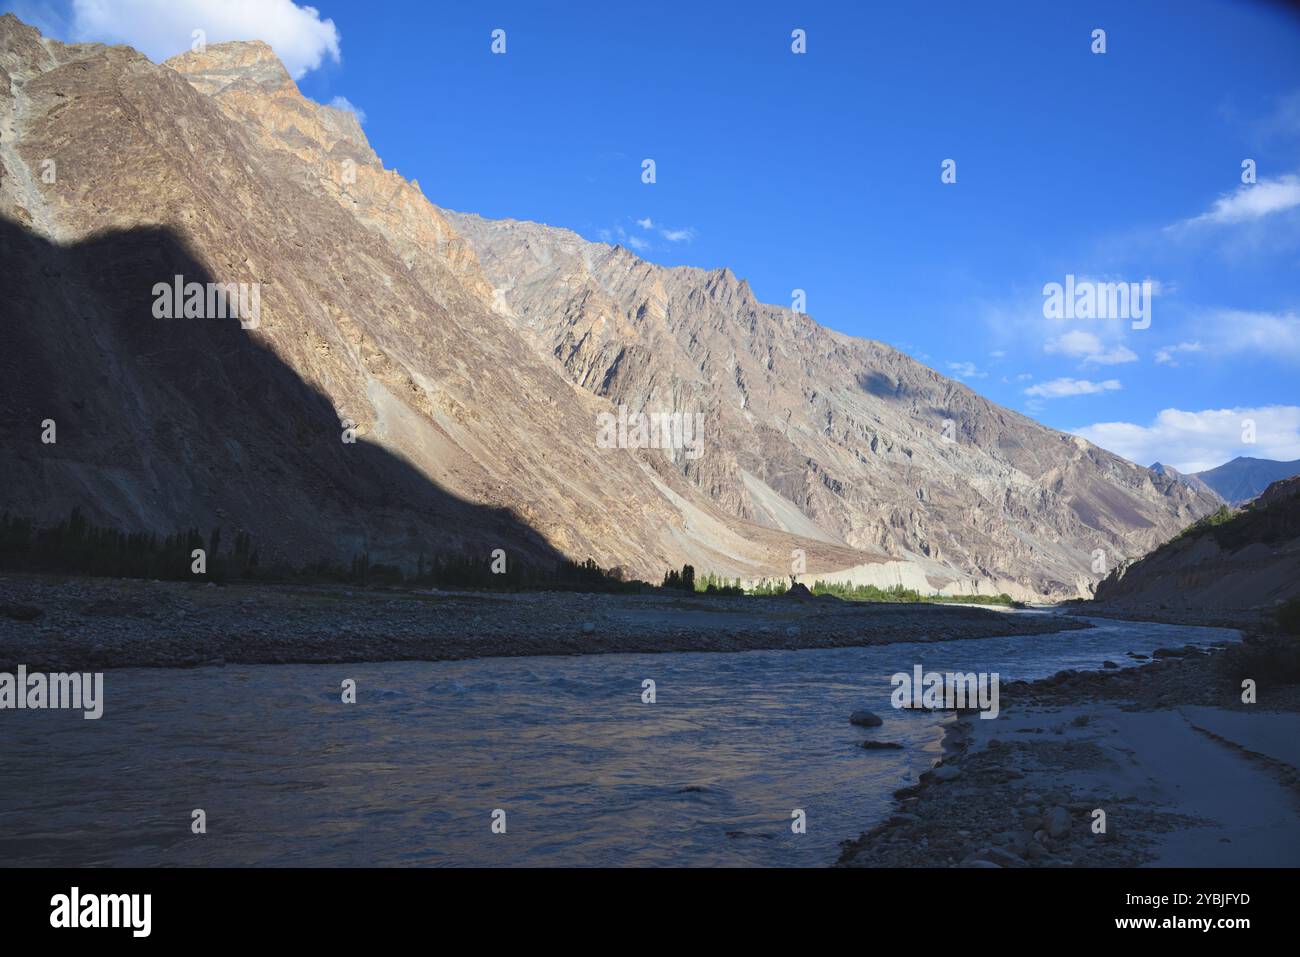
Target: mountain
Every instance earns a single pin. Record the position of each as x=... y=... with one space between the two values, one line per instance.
x=1235 y=568
x=1189 y=479
x=480 y=364
x=1243 y=478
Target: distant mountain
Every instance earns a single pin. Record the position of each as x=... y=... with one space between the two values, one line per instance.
x=1243 y=478
x=477 y=364
x=1189 y=480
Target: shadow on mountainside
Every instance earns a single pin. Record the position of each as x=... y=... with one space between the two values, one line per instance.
x=171 y=423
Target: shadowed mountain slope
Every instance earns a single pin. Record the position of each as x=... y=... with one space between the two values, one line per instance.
x=478 y=355
x=1235 y=568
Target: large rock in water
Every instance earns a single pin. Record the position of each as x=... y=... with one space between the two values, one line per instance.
x=865 y=719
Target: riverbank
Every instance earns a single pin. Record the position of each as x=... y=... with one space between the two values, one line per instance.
x=1249 y=620
x=82 y=623
x=1183 y=772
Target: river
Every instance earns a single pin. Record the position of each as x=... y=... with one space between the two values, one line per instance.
x=584 y=771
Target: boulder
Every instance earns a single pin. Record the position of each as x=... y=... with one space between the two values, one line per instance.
x=1057 y=822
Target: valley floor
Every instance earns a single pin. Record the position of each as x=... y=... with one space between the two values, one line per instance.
x=1186 y=774
x=55 y=624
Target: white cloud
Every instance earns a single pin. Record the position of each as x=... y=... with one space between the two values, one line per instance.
x=1195 y=441
x=1166 y=355
x=645 y=223
x=1017 y=326
x=678 y=235
x=164 y=28
x=1088 y=347
x=1074 y=343
x=1222 y=333
x=343 y=103
x=1111 y=357
x=1250 y=202
x=966 y=370
x=637 y=243
x=1060 y=388
x=1268 y=333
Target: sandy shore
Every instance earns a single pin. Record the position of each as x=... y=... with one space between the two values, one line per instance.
x=1185 y=773
x=59 y=624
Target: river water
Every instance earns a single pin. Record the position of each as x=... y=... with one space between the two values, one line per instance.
x=584 y=771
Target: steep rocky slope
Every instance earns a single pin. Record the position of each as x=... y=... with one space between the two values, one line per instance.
x=876 y=450
x=1191 y=479
x=371 y=310
x=474 y=359
x=1234 y=569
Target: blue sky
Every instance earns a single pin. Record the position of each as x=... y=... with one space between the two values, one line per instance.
x=821 y=171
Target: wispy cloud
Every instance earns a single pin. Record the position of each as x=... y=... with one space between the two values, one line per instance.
x=1284 y=121
x=685 y=234
x=1166 y=356
x=1195 y=441
x=1249 y=202
x=1223 y=333
x=966 y=370
x=678 y=235
x=1088 y=347
x=1062 y=388
x=1268 y=333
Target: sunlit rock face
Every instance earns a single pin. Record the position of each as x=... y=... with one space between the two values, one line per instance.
x=476 y=361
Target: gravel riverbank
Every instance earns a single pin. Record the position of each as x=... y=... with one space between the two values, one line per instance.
x=82 y=623
x=1163 y=754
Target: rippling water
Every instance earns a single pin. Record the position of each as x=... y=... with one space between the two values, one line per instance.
x=410 y=775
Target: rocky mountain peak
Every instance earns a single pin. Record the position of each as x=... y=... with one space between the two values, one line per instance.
x=238 y=63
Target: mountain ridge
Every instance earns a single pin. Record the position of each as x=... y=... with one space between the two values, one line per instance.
x=481 y=355
x=1245 y=478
